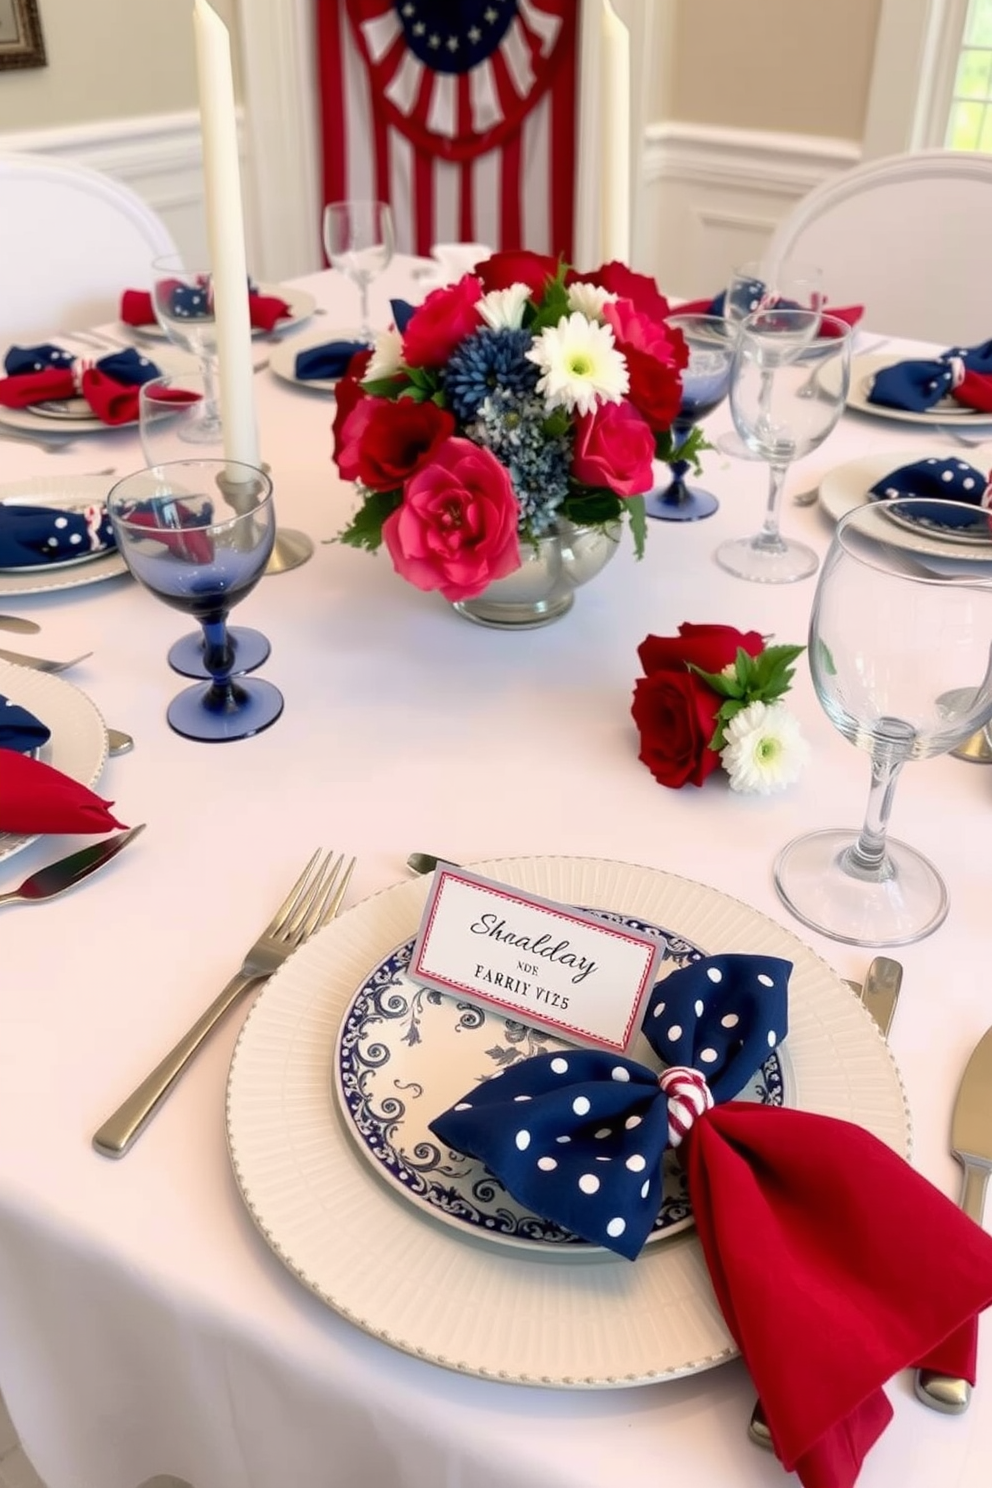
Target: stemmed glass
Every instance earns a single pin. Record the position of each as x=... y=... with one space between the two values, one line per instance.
x=358 y=240
x=753 y=286
x=791 y=373
x=901 y=659
x=184 y=308
x=705 y=384
x=171 y=422
x=198 y=534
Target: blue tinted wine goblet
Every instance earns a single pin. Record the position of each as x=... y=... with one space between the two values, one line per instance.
x=175 y=423
x=705 y=384
x=198 y=534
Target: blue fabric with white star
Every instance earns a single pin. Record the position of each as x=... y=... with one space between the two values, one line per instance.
x=919 y=383
x=19 y=729
x=39 y=536
x=454 y=35
x=944 y=480
x=578 y=1136
x=128 y=367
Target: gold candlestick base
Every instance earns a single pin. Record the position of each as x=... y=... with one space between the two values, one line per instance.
x=977 y=750
x=291 y=549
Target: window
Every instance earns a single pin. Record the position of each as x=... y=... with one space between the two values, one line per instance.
x=969 y=117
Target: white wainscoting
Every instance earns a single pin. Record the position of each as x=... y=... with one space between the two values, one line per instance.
x=711 y=197
x=159 y=156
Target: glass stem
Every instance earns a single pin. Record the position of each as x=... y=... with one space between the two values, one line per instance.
x=211 y=404
x=363 y=290
x=866 y=858
x=676 y=493
x=768 y=539
x=218 y=658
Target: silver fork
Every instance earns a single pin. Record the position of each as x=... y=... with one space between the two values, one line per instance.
x=314 y=899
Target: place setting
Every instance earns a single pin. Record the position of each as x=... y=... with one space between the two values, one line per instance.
x=55 y=534
x=952 y=389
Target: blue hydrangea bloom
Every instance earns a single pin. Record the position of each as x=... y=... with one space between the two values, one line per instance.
x=484 y=363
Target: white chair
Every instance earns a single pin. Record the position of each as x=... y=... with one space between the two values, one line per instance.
x=909 y=237
x=71 y=239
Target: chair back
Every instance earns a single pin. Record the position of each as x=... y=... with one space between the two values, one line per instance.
x=71 y=239
x=909 y=237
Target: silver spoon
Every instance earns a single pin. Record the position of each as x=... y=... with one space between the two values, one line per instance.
x=118 y=742
x=22 y=626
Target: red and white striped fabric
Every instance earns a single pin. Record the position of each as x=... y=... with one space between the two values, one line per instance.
x=460 y=113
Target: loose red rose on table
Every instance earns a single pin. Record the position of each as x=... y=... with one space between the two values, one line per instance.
x=614 y=447
x=445 y=318
x=456 y=529
x=675 y=713
x=710 y=647
x=515 y=266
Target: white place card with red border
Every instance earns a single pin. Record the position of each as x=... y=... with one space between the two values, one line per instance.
x=536 y=961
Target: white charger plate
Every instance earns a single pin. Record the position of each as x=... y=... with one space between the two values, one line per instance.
x=78 y=743
x=947 y=411
x=282 y=360
x=849 y=486
x=301 y=302
x=66 y=491
x=455 y=1302
x=76 y=414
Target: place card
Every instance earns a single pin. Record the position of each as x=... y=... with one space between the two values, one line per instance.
x=536 y=961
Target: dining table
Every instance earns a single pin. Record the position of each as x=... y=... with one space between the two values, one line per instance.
x=153 y=1319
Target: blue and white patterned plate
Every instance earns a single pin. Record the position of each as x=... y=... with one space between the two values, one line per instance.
x=406 y=1053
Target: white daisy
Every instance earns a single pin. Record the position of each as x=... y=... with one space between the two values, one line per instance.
x=387 y=356
x=764 y=750
x=588 y=299
x=503 y=309
x=580 y=364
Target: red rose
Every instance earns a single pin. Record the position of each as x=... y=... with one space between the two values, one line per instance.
x=619 y=280
x=517 y=267
x=675 y=713
x=655 y=354
x=347 y=394
x=710 y=647
x=456 y=529
x=349 y=433
x=445 y=318
x=393 y=440
x=614 y=448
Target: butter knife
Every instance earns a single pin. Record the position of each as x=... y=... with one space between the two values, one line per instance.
x=40 y=663
x=971 y=1143
x=57 y=877
x=880 y=995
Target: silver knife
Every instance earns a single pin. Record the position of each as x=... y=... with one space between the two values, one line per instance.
x=18 y=623
x=57 y=877
x=40 y=663
x=971 y=1143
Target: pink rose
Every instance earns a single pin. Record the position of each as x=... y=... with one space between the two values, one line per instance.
x=445 y=318
x=655 y=354
x=614 y=447
x=456 y=530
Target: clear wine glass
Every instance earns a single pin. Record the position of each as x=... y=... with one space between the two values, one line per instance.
x=705 y=384
x=358 y=240
x=754 y=286
x=198 y=534
x=788 y=386
x=172 y=416
x=901 y=659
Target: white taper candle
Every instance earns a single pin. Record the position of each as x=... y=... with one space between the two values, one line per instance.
x=614 y=136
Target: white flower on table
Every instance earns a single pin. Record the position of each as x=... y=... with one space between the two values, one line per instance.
x=764 y=749
x=580 y=364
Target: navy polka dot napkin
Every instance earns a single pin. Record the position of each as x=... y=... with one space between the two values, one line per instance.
x=19 y=729
x=579 y=1137
x=127 y=366
x=36 y=536
x=40 y=374
x=943 y=480
x=917 y=384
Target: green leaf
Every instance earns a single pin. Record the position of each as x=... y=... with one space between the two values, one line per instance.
x=386 y=387
x=365 y=528
x=554 y=304
x=634 y=507
x=556 y=423
x=590 y=506
x=774 y=672
x=668 y=449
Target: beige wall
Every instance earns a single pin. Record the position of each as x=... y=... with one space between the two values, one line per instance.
x=799 y=66
x=107 y=59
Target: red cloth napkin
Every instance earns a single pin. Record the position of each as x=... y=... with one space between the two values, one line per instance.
x=835 y=1265
x=265 y=311
x=35 y=798
x=974 y=391
x=850 y=314
x=112 y=402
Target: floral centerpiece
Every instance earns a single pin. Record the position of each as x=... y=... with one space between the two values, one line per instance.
x=520 y=399
x=711 y=697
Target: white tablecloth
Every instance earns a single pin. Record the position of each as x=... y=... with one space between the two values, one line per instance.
x=145 y=1325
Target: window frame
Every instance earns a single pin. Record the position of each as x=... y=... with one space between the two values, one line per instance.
x=916 y=57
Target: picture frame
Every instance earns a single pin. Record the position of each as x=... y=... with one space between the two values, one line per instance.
x=21 y=41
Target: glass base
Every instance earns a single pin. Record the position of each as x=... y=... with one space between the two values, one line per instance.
x=733 y=445
x=290 y=550
x=908 y=903
x=254 y=706
x=251 y=648
x=781 y=563
x=680 y=503
x=506 y=615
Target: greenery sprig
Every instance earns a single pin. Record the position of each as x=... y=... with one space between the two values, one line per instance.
x=752 y=679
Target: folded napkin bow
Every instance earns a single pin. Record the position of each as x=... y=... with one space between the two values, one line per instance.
x=39 y=536
x=38 y=374
x=749 y=298
x=827 y=1252
x=944 y=480
x=963 y=373
x=331 y=359
x=138 y=309
x=36 y=798
x=19 y=729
